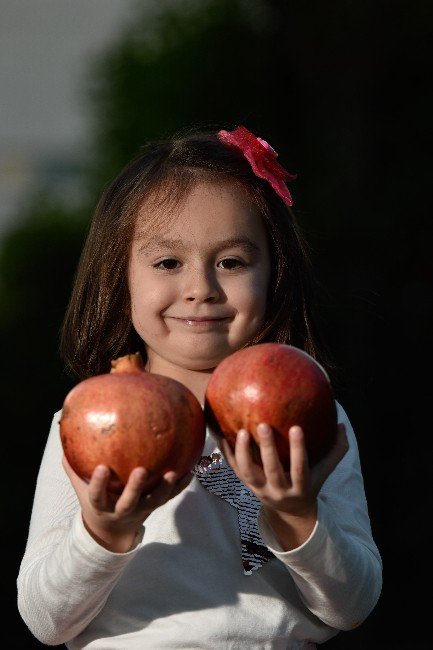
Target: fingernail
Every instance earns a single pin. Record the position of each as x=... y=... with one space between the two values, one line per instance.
x=139 y=474
x=295 y=433
x=263 y=430
x=243 y=434
x=101 y=471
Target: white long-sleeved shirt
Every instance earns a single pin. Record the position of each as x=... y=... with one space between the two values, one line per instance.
x=183 y=585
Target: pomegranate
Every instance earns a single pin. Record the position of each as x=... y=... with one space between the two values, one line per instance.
x=278 y=384
x=128 y=418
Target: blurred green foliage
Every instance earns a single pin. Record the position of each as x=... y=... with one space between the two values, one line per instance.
x=199 y=63
x=340 y=90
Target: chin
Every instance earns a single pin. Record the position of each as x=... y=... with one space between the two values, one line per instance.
x=199 y=365
x=200 y=361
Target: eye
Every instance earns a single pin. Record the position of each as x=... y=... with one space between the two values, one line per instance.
x=169 y=264
x=230 y=263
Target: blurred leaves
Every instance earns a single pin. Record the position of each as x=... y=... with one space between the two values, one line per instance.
x=37 y=263
x=323 y=85
x=342 y=91
x=196 y=63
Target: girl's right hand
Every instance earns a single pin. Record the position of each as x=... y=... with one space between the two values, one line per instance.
x=114 y=521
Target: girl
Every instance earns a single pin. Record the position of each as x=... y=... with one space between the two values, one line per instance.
x=194 y=253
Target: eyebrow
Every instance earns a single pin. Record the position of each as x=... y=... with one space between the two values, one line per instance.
x=176 y=244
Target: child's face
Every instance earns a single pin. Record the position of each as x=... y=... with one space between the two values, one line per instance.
x=198 y=285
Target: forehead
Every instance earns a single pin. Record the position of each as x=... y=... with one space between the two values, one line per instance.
x=207 y=211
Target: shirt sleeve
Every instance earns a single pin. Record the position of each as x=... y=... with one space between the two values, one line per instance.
x=65 y=576
x=338 y=569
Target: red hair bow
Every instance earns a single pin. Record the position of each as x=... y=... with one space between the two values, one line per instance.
x=262 y=158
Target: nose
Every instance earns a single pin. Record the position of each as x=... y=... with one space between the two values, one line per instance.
x=201 y=286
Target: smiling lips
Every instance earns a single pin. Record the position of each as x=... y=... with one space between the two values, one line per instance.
x=201 y=322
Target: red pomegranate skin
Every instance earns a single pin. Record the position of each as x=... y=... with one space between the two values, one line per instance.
x=280 y=385
x=129 y=418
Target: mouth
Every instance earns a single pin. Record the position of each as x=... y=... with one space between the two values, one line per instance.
x=202 y=322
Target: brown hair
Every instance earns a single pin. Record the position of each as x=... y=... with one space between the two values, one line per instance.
x=97 y=325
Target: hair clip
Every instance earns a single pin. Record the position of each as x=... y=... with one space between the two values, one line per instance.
x=262 y=158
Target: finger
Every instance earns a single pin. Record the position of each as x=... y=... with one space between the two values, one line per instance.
x=66 y=465
x=97 y=492
x=247 y=470
x=184 y=481
x=228 y=452
x=299 y=468
x=132 y=491
x=272 y=467
x=72 y=475
x=323 y=469
x=160 y=493
x=180 y=485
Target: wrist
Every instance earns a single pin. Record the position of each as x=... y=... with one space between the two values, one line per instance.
x=292 y=529
x=112 y=540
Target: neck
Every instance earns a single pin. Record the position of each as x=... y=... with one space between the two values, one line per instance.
x=195 y=380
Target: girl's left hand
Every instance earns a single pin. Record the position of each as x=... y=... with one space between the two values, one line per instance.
x=289 y=499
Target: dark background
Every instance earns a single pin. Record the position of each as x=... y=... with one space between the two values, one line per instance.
x=342 y=90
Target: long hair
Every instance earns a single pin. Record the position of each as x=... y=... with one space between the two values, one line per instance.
x=97 y=324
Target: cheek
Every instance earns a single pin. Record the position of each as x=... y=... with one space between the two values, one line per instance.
x=258 y=301
x=149 y=295
x=251 y=296
x=133 y=283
